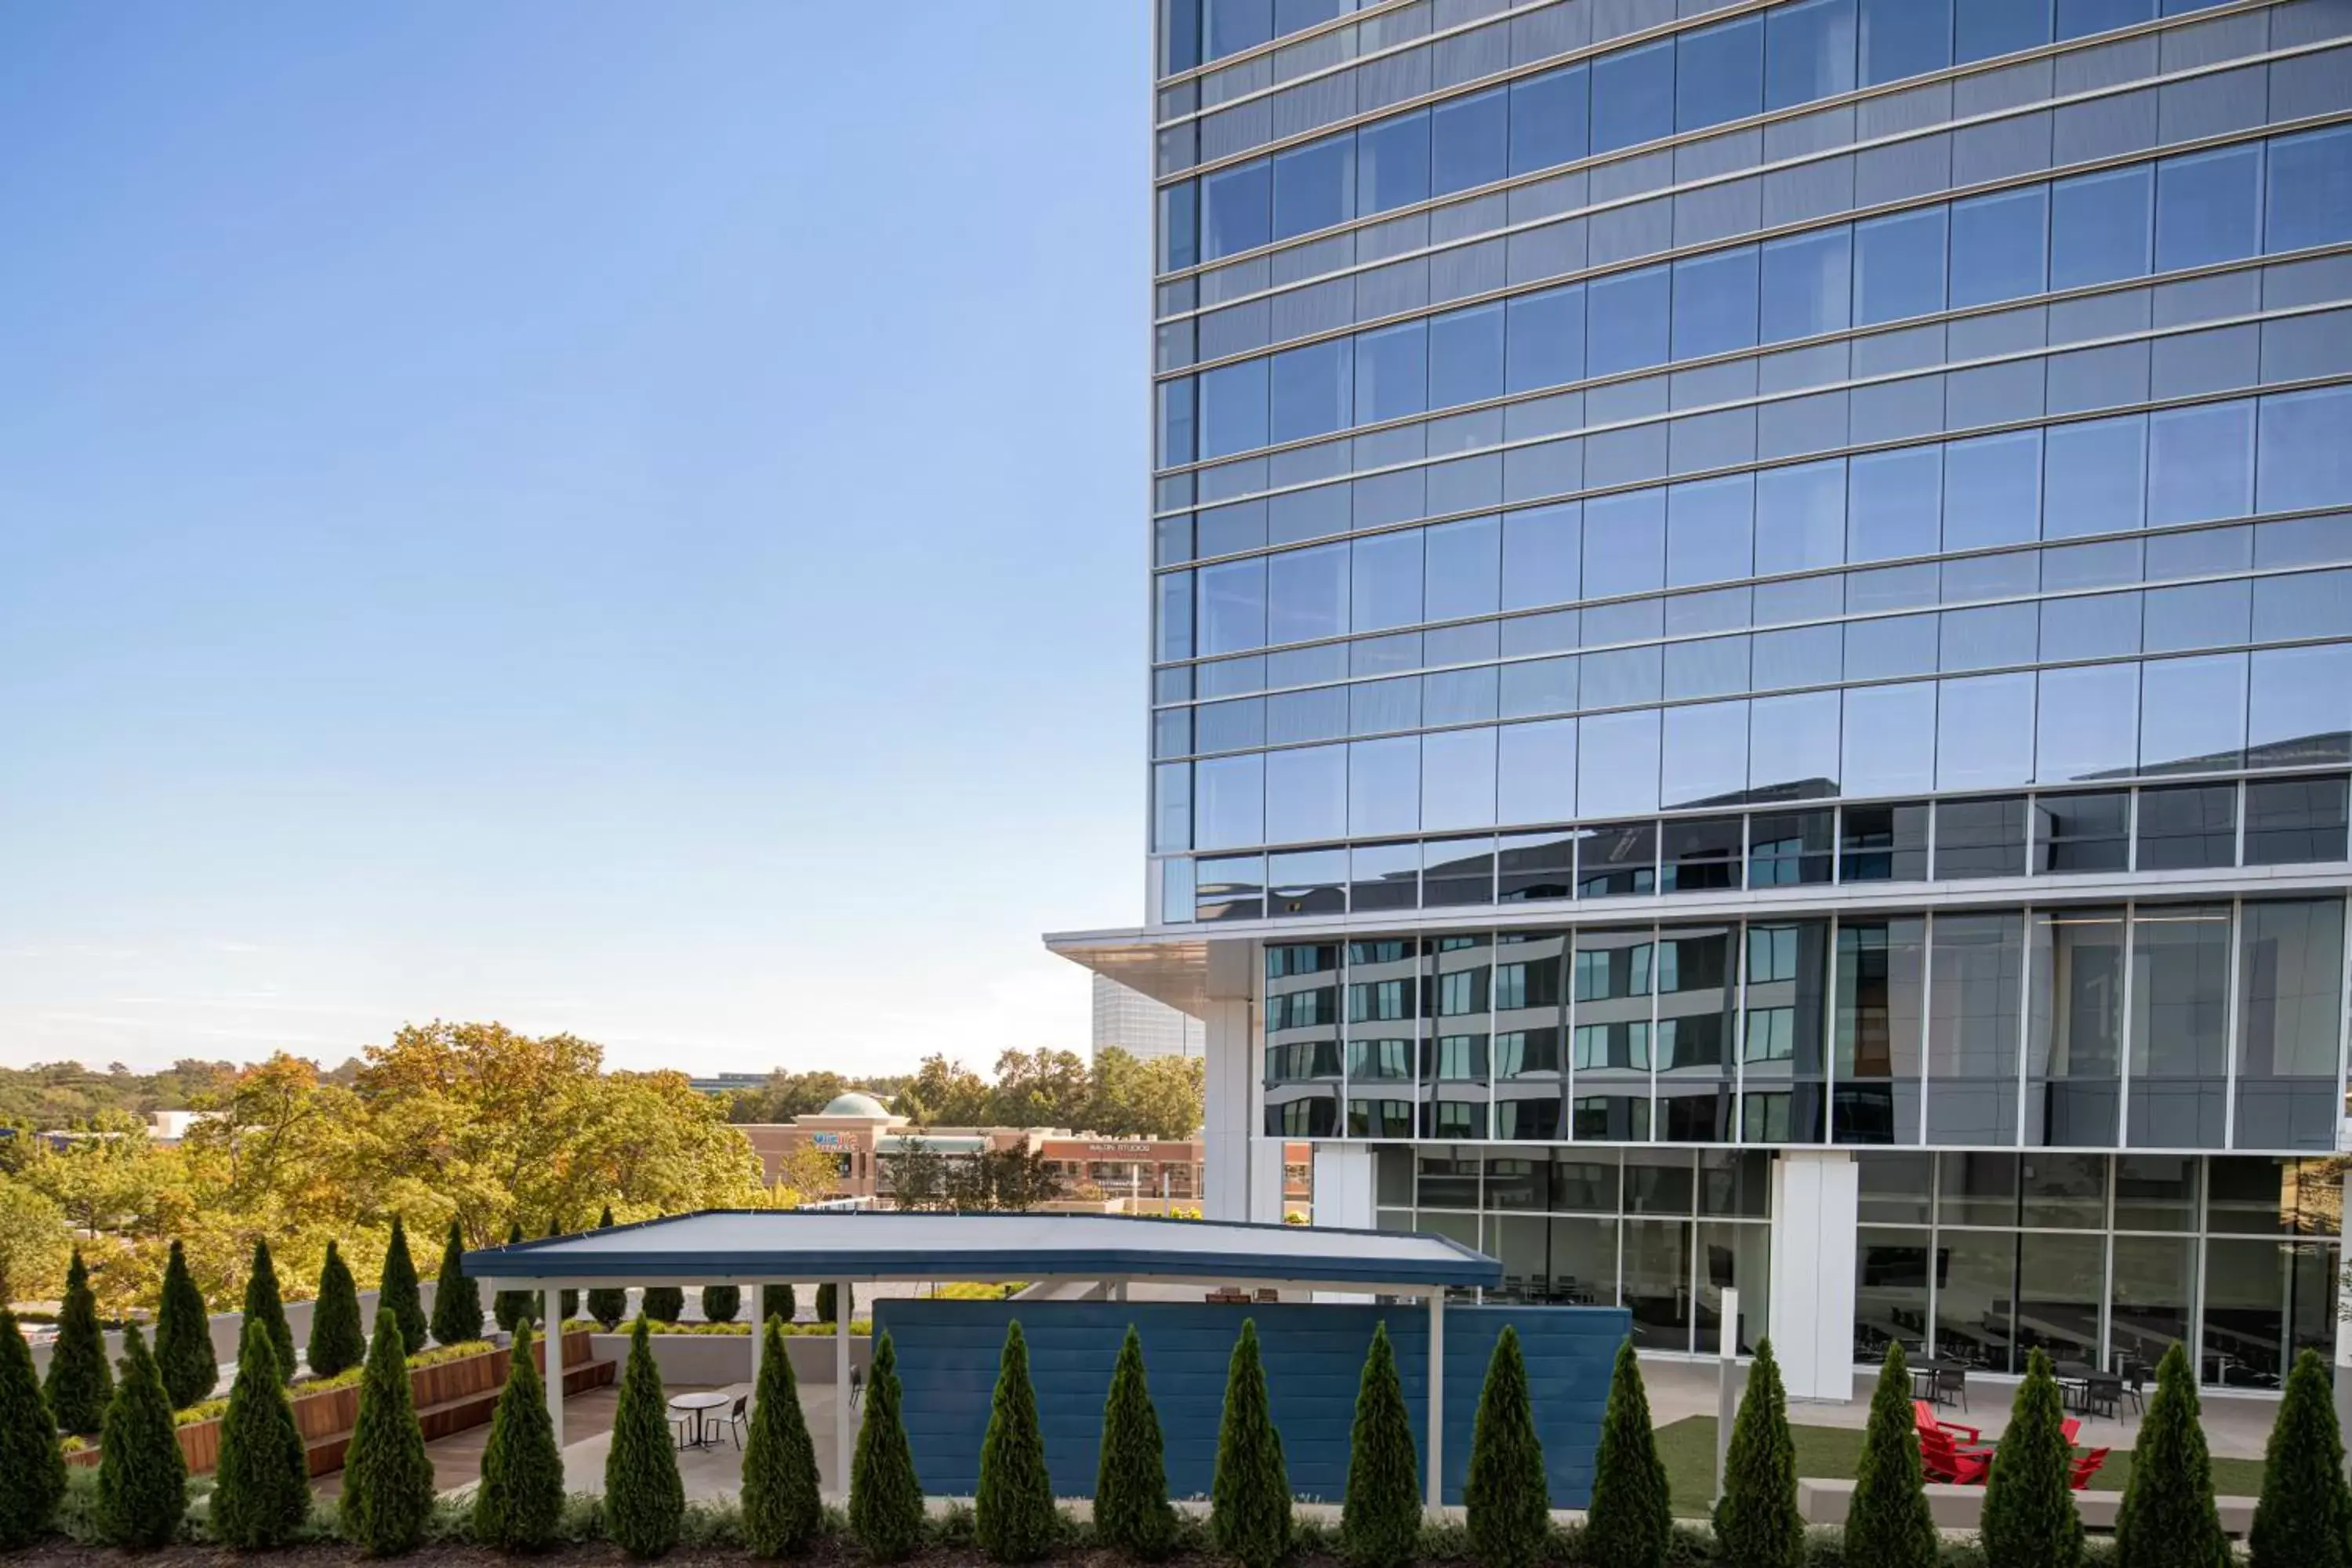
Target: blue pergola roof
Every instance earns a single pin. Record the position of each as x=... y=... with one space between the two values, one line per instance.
x=783 y=1244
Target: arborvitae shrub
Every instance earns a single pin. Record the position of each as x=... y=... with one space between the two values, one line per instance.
x=2305 y=1517
x=184 y=1337
x=781 y=1510
x=337 y=1343
x=643 y=1498
x=2166 y=1519
x=721 y=1302
x=570 y=1303
x=456 y=1300
x=80 y=1383
x=398 y=1294
x=1249 y=1497
x=826 y=1306
x=776 y=1301
x=1379 y=1520
x=1757 y=1524
x=1132 y=1514
x=1889 y=1524
x=520 y=1499
x=607 y=1307
x=2028 y=1513
x=1012 y=1509
x=512 y=1308
x=1631 y=1518
x=387 y=1476
x=261 y=1489
x=664 y=1303
x=264 y=1302
x=886 y=1500
x=143 y=1480
x=1505 y=1497
x=32 y=1471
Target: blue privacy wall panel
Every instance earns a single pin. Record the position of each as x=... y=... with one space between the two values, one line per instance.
x=1314 y=1355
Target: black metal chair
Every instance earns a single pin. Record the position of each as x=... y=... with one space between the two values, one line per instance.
x=738 y=1420
x=2103 y=1393
x=857 y=1386
x=1952 y=1383
x=2135 y=1375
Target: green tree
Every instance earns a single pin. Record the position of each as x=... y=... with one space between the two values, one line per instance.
x=644 y=1500
x=1013 y=1508
x=1249 y=1496
x=2305 y=1517
x=80 y=1383
x=336 y=1343
x=826 y=1306
x=1506 y=1497
x=2166 y=1519
x=183 y=1336
x=664 y=1303
x=387 y=1476
x=886 y=1499
x=142 y=1478
x=1132 y=1513
x=261 y=1489
x=782 y=1510
x=2028 y=1513
x=263 y=1304
x=1379 y=1520
x=520 y=1499
x=721 y=1302
x=1888 y=1524
x=34 y=1241
x=456 y=1300
x=32 y=1471
x=511 y=1308
x=608 y=1307
x=1630 y=1517
x=776 y=1301
x=398 y=1293
x=1756 y=1521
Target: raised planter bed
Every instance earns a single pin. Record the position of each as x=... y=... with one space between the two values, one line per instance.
x=1959 y=1507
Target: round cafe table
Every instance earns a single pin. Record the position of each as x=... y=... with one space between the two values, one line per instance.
x=698 y=1407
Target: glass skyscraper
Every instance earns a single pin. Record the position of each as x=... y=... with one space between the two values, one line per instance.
x=1751 y=653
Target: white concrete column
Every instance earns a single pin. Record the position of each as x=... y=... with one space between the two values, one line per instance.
x=1816 y=1196
x=553 y=1340
x=1266 y=1203
x=1226 y=1127
x=1343 y=1197
x=759 y=1328
x=841 y=1422
x=1434 y=1483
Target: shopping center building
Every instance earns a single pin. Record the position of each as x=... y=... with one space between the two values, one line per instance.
x=1751 y=654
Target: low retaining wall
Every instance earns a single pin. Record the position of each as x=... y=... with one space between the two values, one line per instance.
x=717 y=1360
x=1961 y=1507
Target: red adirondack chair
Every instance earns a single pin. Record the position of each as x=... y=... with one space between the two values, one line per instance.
x=2087 y=1465
x=1942 y=1459
x=1924 y=1414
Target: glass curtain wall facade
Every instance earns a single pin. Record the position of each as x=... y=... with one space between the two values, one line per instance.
x=1774 y=579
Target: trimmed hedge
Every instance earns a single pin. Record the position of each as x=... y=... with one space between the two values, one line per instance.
x=644 y=1497
x=387 y=1476
x=264 y=1302
x=337 y=1342
x=183 y=1336
x=80 y=1383
x=608 y=1307
x=261 y=1488
x=1132 y=1513
x=781 y=1509
x=886 y=1499
x=398 y=1292
x=663 y=1303
x=1379 y=1517
x=456 y=1300
x=1249 y=1497
x=512 y=1308
x=1505 y=1497
x=32 y=1470
x=1630 y=1517
x=142 y=1478
x=2305 y=1517
x=721 y=1302
x=519 y=1502
x=1889 y=1524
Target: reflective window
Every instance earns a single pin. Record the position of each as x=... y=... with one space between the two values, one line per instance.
x=1392 y=373
x=1973 y=1013
x=1808 y=50
x=1548 y=119
x=1904 y=37
x=1465 y=356
x=1800 y=521
x=2179 y=986
x=1543 y=338
x=2209 y=207
x=2077 y=833
x=2102 y=227
x=2290 y=987
x=2201 y=463
x=1624 y=543
x=1889 y=740
x=1313 y=390
x=1469 y=141
x=1633 y=96
x=2193 y=713
x=1314 y=186
x=1719 y=73
x=1883 y=844
x=1980 y=839
x=1306 y=594
x=2073 y=1050
x=1714 y=304
x=1807 y=285
x=1877 y=1021
x=1233 y=606
x=1385 y=787
x=1457 y=779
x=1984 y=732
x=1386 y=589
x=1898 y=264
x=1305 y=794
x=1617 y=764
x=1998 y=246
x=1627 y=322
x=2087 y=726
x=2192 y=828
x=1542 y=555
x=1792 y=752
x=1987 y=28
x=1237 y=209
x=2305 y=462
x=2310 y=190
x=2289 y=821
x=2094 y=477
x=1392 y=162
x=1895 y=502
x=1233 y=408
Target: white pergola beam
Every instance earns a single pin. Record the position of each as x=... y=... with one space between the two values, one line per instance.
x=553 y=1304
x=841 y=1315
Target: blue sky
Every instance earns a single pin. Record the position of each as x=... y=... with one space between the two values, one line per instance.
x=624 y=518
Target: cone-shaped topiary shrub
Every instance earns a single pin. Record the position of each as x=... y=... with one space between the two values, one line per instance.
x=143 y=1480
x=1506 y=1499
x=664 y=1303
x=781 y=1510
x=2028 y=1513
x=184 y=1337
x=512 y=1308
x=1013 y=1510
x=570 y=1303
x=886 y=1500
x=1756 y=1521
x=1249 y=1497
x=80 y=1383
x=397 y=1292
x=1888 y=1525
x=337 y=1342
x=777 y=1301
x=1379 y=1520
x=643 y=1498
x=261 y=1489
x=826 y=1307
x=1630 y=1517
x=2166 y=1519
x=1132 y=1514
x=2305 y=1517
x=520 y=1499
x=607 y=1307
x=721 y=1302
x=263 y=1301
x=387 y=1476
x=32 y=1471
x=456 y=1300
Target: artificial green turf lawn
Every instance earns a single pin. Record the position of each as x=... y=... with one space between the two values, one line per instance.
x=1832 y=1453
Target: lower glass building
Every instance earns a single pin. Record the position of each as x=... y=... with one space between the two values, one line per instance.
x=1751 y=654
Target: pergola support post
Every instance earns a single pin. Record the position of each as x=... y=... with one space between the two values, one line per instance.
x=841 y=1385
x=759 y=1330
x=551 y=1307
x=1435 y=1480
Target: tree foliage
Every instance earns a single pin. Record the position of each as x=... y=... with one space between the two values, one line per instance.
x=1379 y=1519
x=34 y=1242
x=143 y=1479
x=32 y=1471
x=781 y=1509
x=2304 y=1519
x=456 y=1300
x=512 y=1308
x=1889 y=1523
x=645 y=1500
x=1012 y=1509
x=777 y=1301
x=79 y=1382
x=721 y=1302
x=263 y=1303
x=886 y=1499
x=1249 y=1496
x=608 y=1306
x=2028 y=1513
x=664 y=1303
x=2168 y=1519
x=398 y=1292
x=387 y=1476
x=1132 y=1513
x=337 y=1345
x=829 y=1311
x=1505 y=1497
x=184 y=1337
x=1630 y=1517
x=261 y=1489
x=520 y=1499
x=1757 y=1524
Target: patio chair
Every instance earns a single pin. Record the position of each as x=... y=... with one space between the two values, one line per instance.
x=2103 y=1394
x=1942 y=1459
x=2135 y=1375
x=737 y=1418
x=1924 y=1414
x=2069 y=1429
x=1952 y=1383
x=857 y=1386
x=680 y=1422
x=2085 y=1465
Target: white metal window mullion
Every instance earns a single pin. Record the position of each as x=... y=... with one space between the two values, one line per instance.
x=2229 y=1029
x=1926 y=1005
x=2124 y=1027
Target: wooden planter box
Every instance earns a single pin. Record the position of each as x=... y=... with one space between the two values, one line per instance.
x=450 y=1396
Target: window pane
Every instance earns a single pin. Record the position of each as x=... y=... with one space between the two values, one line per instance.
x=1633 y=96
x=2299 y=710
x=1904 y=37
x=1386 y=580
x=1385 y=787
x=2265 y=1301
x=1228 y=802
x=2080 y=19
x=1973 y=1029
x=1542 y=552
x=2088 y=723
x=1720 y=74
x=1624 y=543
x=1801 y=517
x=1305 y=794
x=1895 y=502
x=2306 y=461
x=1457 y=780
x=1808 y=285
x=1987 y=28
x=2094 y=477
x=2201 y=463
x=1314 y=186
x=1465 y=356
x=1705 y=754
x=1237 y=209
x=1233 y=408
x=1617 y=764
x=1984 y=732
x=1392 y=162
x=2179 y=1055
x=2209 y=207
x=2291 y=984
x=1808 y=51
x=1535 y=772
x=1992 y=490
x=2193 y=713
x=1392 y=373
x=1544 y=339
x=1998 y=246
x=2310 y=190
x=2295 y=821
x=1313 y=390
x=1233 y=607
x=1709 y=524
x=1890 y=740
x=2075 y=1047
x=1879 y=1005
x=1627 y=322
x=1898 y=267
x=1470 y=141
x=1548 y=119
